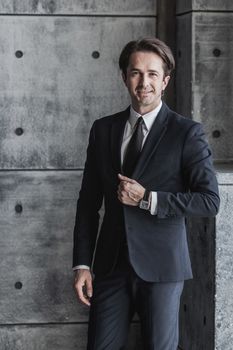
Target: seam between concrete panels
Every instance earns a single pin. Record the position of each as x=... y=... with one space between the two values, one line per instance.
x=77 y=15
x=40 y=169
x=41 y=324
x=203 y=11
x=224 y=184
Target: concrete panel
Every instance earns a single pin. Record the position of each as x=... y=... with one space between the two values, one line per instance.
x=213 y=75
x=37 y=212
x=211 y=80
x=197 y=304
x=57 y=75
x=224 y=254
x=73 y=7
x=55 y=337
x=184 y=65
x=184 y=6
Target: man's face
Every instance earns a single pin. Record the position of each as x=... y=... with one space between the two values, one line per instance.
x=145 y=80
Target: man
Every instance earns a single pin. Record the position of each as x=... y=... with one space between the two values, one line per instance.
x=152 y=167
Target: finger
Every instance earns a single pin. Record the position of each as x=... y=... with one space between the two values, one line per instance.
x=127 y=200
x=125 y=178
x=122 y=195
x=133 y=186
x=128 y=186
x=133 y=196
x=89 y=288
x=79 y=286
x=130 y=203
x=81 y=296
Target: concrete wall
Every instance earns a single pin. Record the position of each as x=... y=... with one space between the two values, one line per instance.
x=204 y=73
x=204 y=93
x=58 y=73
x=224 y=253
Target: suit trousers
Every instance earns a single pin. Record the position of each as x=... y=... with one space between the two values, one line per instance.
x=118 y=296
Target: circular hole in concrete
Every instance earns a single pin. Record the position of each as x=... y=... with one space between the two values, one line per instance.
x=18 y=285
x=19 y=131
x=216 y=52
x=216 y=134
x=18 y=208
x=95 y=54
x=19 y=54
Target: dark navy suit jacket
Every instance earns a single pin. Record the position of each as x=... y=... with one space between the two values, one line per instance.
x=176 y=162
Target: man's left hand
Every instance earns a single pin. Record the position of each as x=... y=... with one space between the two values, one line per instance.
x=130 y=192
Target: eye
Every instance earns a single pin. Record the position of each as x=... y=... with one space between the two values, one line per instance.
x=153 y=74
x=134 y=73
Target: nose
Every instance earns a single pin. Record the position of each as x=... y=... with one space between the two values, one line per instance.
x=144 y=82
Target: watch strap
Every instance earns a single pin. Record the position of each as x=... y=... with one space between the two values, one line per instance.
x=146 y=196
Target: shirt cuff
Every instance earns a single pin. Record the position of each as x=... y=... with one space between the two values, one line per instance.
x=153 y=204
x=78 y=267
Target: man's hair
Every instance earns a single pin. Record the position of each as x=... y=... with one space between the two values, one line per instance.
x=148 y=45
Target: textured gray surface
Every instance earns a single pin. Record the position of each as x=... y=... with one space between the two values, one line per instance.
x=203 y=5
x=57 y=89
x=36 y=247
x=58 y=73
x=197 y=303
x=184 y=65
x=54 y=337
x=224 y=263
x=84 y=7
x=211 y=77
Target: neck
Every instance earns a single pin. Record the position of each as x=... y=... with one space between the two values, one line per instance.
x=144 y=109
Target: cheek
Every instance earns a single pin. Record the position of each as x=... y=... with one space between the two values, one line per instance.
x=160 y=86
x=132 y=85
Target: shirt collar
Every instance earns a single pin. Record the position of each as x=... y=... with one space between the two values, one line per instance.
x=148 y=118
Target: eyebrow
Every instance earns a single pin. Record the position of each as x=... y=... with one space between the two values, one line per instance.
x=149 y=70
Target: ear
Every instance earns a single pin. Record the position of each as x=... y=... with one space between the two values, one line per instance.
x=124 y=78
x=166 y=81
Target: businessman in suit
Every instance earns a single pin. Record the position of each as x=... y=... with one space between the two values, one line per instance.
x=152 y=168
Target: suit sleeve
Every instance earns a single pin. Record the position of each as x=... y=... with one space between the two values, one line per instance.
x=88 y=206
x=201 y=197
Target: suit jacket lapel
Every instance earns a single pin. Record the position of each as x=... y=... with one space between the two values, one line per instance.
x=156 y=133
x=117 y=132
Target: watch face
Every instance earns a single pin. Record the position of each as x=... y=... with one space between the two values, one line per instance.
x=144 y=204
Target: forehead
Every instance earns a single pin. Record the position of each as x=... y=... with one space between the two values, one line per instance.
x=145 y=60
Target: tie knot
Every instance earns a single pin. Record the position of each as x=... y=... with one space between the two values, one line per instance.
x=139 y=122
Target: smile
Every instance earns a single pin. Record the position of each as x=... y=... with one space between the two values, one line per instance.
x=141 y=92
x=144 y=93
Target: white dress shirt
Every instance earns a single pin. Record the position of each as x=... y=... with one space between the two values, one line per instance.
x=148 y=119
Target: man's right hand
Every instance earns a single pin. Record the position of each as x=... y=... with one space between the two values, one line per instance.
x=83 y=285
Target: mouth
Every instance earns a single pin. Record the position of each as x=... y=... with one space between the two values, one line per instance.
x=144 y=93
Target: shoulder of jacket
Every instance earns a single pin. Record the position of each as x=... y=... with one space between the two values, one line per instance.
x=182 y=121
x=109 y=119
x=112 y=117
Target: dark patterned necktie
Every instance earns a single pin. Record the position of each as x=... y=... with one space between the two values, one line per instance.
x=134 y=148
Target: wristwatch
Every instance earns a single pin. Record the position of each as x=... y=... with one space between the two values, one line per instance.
x=145 y=202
